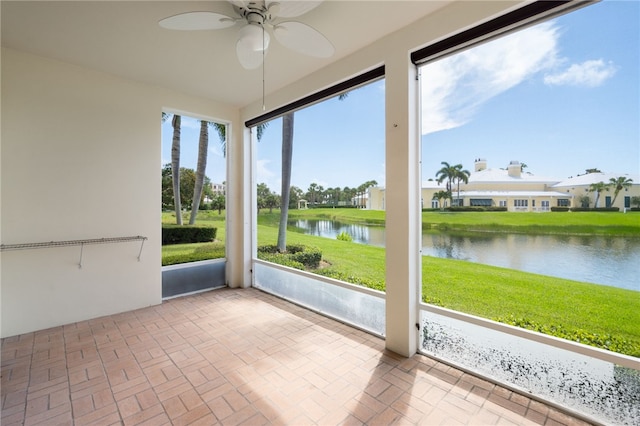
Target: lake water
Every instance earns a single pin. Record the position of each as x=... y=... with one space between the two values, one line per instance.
x=613 y=261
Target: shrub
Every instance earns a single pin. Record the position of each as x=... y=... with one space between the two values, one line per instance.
x=603 y=341
x=187 y=234
x=281 y=259
x=343 y=236
x=339 y=275
x=599 y=209
x=476 y=209
x=559 y=209
x=310 y=257
x=297 y=256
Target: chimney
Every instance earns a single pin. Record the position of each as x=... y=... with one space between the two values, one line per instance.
x=515 y=169
x=480 y=164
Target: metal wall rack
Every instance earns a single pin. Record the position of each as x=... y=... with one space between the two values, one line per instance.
x=81 y=243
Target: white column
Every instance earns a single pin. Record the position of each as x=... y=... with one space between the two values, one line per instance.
x=403 y=219
x=239 y=221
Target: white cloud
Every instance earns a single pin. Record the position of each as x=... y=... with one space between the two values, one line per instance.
x=215 y=149
x=590 y=73
x=455 y=87
x=263 y=172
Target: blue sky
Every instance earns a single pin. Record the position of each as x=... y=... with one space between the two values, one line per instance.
x=562 y=97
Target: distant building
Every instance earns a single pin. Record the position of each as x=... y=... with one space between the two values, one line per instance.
x=579 y=185
x=218 y=188
x=518 y=190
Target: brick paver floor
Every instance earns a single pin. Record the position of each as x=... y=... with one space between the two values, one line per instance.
x=239 y=357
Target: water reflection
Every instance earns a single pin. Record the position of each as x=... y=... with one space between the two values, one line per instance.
x=613 y=261
x=371 y=235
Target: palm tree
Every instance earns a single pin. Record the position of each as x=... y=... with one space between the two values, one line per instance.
x=448 y=173
x=287 y=155
x=598 y=188
x=175 y=164
x=461 y=175
x=439 y=196
x=311 y=192
x=203 y=148
x=618 y=184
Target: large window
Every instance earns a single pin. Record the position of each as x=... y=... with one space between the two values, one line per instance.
x=549 y=111
x=197 y=148
x=328 y=159
x=335 y=174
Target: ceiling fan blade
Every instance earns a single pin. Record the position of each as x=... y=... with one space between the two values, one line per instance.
x=197 y=21
x=239 y=3
x=248 y=57
x=303 y=39
x=291 y=8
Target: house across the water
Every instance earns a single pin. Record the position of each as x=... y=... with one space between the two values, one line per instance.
x=521 y=191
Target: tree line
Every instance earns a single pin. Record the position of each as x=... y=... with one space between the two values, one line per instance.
x=187 y=186
x=316 y=195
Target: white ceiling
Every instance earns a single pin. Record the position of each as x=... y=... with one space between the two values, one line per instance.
x=124 y=38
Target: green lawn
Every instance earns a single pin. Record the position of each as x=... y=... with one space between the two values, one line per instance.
x=609 y=223
x=553 y=305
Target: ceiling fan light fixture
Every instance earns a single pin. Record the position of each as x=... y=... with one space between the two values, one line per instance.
x=251 y=37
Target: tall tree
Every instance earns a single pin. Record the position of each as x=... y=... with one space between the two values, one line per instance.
x=348 y=194
x=287 y=155
x=448 y=173
x=203 y=151
x=167 y=187
x=218 y=203
x=618 y=184
x=311 y=192
x=598 y=188
x=460 y=175
x=187 y=182
x=175 y=166
x=262 y=192
x=362 y=190
x=295 y=195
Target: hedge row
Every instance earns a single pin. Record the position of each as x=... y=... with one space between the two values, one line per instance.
x=339 y=275
x=187 y=234
x=603 y=341
x=585 y=209
x=469 y=209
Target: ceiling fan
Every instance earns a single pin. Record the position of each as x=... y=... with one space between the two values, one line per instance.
x=256 y=20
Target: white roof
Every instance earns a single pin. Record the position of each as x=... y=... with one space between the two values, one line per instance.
x=480 y=194
x=499 y=175
x=590 y=178
x=433 y=184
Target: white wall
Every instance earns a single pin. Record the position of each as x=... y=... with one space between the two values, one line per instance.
x=80 y=160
